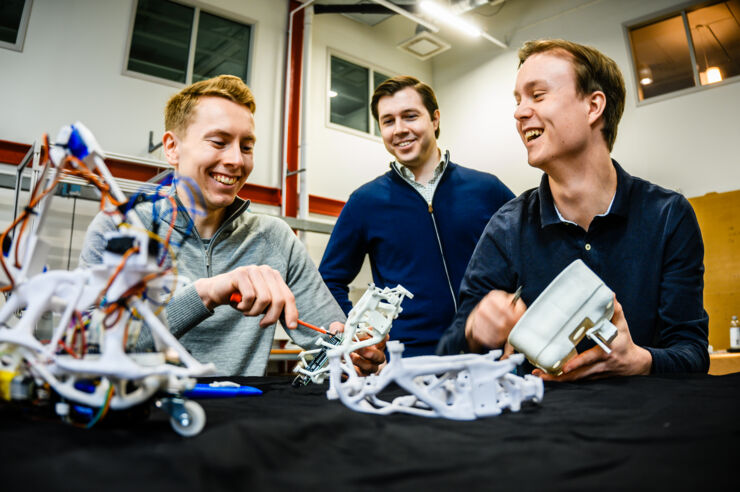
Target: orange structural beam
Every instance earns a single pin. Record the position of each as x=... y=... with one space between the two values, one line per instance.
x=13 y=153
x=324 y=206
x=292 y=125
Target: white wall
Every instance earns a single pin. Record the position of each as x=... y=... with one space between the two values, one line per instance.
x=687 y=142
x=74 y=52
x=339 y=161
x=71 y=69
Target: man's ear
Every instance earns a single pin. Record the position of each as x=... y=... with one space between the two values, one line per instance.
x=435 y=119
x=596 y=106
x=171 y=147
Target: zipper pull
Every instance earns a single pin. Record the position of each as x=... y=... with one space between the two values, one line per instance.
x=431 y=210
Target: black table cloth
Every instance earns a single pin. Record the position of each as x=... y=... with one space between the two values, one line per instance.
x=641 y=433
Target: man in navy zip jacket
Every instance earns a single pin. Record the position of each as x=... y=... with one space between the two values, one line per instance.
x=419 y=222
x=642 y=240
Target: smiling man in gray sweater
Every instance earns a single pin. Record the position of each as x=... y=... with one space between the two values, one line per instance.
x=222 y=247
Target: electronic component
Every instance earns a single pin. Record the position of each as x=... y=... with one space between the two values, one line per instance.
x=368 y=323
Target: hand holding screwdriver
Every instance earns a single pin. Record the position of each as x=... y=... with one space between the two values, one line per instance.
x=262 y=290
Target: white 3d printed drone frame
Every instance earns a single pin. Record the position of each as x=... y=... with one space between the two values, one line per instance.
x=458 y=387
x=121 y=292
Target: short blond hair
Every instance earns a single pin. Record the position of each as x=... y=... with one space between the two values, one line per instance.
x=179 y=110
x=594 y=72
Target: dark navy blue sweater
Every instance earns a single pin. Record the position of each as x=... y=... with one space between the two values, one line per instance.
x=425 y=249
x=647 y=249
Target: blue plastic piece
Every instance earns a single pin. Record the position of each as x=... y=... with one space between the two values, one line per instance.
x=207 y=391
x=84 y=411
x=76 y=145
x=85 y=385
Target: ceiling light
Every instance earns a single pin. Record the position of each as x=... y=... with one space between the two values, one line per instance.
x=444 y=15
x=713 y=75
x=646 y=75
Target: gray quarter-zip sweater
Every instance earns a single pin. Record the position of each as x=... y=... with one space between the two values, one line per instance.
x=233 y=342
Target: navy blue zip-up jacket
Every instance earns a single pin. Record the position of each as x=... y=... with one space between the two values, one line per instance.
x=425 y=249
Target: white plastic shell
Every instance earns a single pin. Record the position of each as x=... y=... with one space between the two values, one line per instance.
x=575 y=304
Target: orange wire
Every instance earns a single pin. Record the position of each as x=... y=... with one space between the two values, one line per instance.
x=68 y=350
x=120 y=266
x=33 y=201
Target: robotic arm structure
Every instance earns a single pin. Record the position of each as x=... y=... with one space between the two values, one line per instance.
x=124 y=291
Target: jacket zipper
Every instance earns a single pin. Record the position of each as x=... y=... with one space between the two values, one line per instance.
x=436 y=232
x=441 y=252
x=209 y=250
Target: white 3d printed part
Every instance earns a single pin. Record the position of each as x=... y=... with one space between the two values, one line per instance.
x=367 y=324
x=575 y=304
x=457 y=387
x=124 y=288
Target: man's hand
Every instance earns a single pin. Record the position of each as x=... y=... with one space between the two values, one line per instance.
x=366 y=360
x=262 y=290
x=490 y=322
x=626 y=359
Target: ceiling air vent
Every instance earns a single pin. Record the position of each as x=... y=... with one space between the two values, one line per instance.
x=423 y=45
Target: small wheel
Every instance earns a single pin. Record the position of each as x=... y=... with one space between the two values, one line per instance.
x=191 y=421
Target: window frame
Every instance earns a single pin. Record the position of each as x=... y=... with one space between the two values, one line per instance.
x=198 y=8
x=681 y=9
x=372 y=69
x=22 y=29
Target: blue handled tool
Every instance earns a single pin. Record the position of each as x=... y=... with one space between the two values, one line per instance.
x=208 y=391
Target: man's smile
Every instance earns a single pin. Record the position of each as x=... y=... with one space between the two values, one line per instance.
x=532 y=134
x=224 y=179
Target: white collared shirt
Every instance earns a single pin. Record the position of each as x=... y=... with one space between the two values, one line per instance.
x=426 y=190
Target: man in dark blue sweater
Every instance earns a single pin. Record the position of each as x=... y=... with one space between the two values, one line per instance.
x=419 y=222
x=642 y=240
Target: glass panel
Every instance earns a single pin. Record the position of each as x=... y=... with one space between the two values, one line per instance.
x=716 y=34
x=378 y=78
x=222 y=47
x=11 y=12
x=350 y=105
x=161 y=39
x=661 y=55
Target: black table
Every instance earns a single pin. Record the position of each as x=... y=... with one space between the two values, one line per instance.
x=641 y=433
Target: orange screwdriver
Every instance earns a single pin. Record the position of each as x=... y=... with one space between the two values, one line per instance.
x=236 y=298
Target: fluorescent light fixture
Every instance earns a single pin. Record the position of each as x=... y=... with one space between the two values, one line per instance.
x=414 y=18
x=444 y=15
x=333 y=93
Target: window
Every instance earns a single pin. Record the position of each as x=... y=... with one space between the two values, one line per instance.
x=14 y=16
x=184 y=44
x=691 y=48
x=351 y=88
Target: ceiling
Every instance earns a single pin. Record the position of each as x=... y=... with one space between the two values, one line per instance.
x=459 y=6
